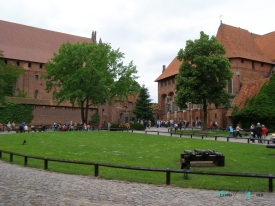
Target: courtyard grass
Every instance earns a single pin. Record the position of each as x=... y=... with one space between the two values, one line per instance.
x=141 y=150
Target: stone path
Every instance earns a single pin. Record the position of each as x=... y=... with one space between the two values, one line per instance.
x=28 y=186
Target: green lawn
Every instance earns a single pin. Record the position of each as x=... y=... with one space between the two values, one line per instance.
x=133 y=149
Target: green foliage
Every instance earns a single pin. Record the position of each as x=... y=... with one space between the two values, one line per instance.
x=8 y=75
x=203 y=74
x=16 y=113
x=260 y=108
x=95 y=118
x=21 y=94
x=137 y=126
x=90 y=74
x=134 y=126
x=143 y=109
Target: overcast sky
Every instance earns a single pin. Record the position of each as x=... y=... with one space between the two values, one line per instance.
x=149 y=32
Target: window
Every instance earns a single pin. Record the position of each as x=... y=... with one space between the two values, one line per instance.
x=6 y=61
x=262 y=64
x=252 y=64
x=41 y=66
x=36 y=94
x=36 y=77
x=29 y=64
x=18 y=64
x=242 y=60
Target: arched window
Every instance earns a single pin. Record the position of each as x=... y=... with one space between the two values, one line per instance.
x=36 y=94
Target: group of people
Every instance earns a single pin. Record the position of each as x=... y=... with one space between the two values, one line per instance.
x=260 y=132
x=256 y=132
x=10 y=127
x=66 y=126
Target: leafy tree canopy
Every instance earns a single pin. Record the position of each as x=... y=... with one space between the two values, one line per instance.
x=143 y=109
x=90 y=74
x=203 y=74
x=8 y=75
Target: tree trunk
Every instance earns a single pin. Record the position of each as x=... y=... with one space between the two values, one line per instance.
x=82 y=111
x=204 y=114
x=86 y=110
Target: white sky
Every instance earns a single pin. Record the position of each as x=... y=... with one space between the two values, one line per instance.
x=149 y=32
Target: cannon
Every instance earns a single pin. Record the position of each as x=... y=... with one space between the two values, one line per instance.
x=201 y=155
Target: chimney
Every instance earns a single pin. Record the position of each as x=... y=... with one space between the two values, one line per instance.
x=94 y=36
x=163 y=68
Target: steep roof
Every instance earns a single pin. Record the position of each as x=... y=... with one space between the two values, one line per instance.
x=171 y=70
x=27 y=43
x=249 y=89
x=267 y=44
x=240 y=43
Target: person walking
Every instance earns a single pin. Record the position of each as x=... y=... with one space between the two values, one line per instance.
x=252 y=133
x=264 y=131
x=230 y=131
x=9 y=126
x=238 y=129
x=258 y=132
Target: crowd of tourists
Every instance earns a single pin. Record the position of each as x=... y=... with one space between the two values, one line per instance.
x=258 y=132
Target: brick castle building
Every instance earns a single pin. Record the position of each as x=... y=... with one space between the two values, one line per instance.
x=30 y=48
x=252 y=59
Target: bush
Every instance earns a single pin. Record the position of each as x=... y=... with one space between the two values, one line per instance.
x=134 y=126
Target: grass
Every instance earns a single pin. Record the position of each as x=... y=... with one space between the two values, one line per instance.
x=133 y=149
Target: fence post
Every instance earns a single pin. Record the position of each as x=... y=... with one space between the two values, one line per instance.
x=25 y=161
x=11 y=157
x=180 y=134
x=270 y=184
x=201 y=136
x=191 y=135
x=145 y=132
x=96 y=169
x=45 y=164
x=168 y=176
x=215 y=138
x=227 y=139
x=171 y=134
x=158 y=132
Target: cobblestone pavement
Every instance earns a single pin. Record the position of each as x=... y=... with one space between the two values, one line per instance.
x=28 y=186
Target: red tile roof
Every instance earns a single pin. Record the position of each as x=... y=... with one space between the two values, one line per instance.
x=249 y=89
x=171 y=70
x=267 y=44
x=240 y=43
x=32 y=44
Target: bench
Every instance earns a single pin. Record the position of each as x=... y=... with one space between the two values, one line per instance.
x=271 y=146
x=201 y=155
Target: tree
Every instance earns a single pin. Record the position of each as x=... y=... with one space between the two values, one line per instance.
x=143 y=108
x=89 y=74
x=203 y=74
x=8 y=75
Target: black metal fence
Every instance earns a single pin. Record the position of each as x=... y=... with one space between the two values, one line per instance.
x=168 y=171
